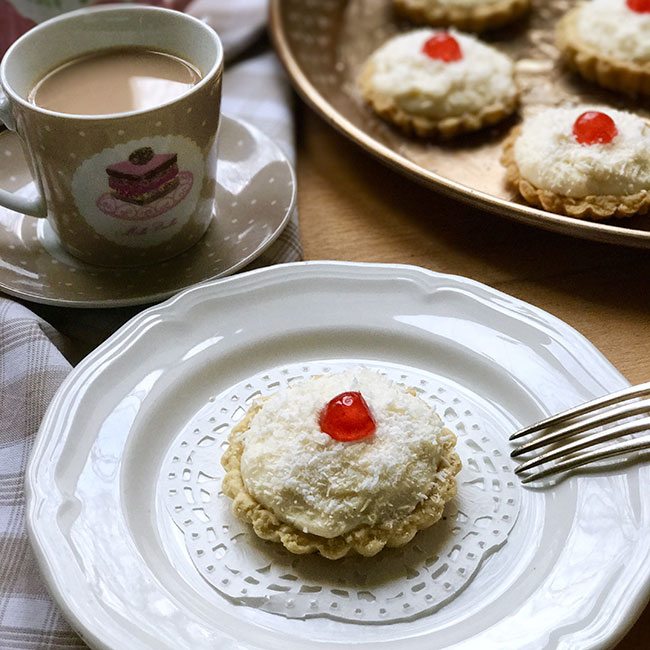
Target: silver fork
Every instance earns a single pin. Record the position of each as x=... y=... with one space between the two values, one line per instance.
x=573 y=427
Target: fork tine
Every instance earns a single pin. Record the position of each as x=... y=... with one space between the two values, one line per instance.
x=598 y=403
x=611 y=415
x=625 y=428
x=629 y=446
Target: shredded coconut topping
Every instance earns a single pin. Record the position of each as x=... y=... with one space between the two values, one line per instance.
x=549 y=156
x=432 y=88
x=326 y=487
x=615 y=30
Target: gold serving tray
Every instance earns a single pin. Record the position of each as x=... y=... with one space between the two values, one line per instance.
x=323 y=43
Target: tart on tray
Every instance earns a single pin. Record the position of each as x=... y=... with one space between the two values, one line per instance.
x=439 y=83
x=468 y=15
x=608 y=41
x=581 y=162
x=343 y=463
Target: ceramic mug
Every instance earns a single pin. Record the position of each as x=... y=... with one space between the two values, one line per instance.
x=71 y=156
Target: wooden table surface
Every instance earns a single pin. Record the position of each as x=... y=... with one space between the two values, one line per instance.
x=354 y=208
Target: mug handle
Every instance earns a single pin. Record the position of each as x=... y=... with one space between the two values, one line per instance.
x=32 y=206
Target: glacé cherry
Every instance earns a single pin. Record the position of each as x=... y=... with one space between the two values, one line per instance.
x=443 y=46
x=594 y=127
x=347 y=417
x=640 y=6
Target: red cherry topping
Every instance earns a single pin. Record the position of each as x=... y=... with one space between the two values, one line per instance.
x=347 y=417
x=594 y=127
x=640 y=6
x=443 y=46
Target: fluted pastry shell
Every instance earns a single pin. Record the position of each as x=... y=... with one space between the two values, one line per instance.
x=364 y=540
x=616 y=74
x=446 y=127
x=588 y=207
x=473 y=19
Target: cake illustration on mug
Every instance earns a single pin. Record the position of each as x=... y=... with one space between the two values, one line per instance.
x=144 y=177
x=144 y=186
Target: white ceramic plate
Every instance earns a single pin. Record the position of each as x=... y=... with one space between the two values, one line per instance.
x=574 y=572
x=255 y=198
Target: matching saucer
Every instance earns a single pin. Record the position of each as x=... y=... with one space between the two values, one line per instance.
x=255 y=198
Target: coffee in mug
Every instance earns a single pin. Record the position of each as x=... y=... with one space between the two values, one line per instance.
x=117 y=80
x=121 y=182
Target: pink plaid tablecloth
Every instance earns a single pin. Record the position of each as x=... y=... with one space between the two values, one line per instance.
x=34 y=354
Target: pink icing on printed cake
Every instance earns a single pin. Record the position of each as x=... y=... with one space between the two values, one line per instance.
x=144 y=177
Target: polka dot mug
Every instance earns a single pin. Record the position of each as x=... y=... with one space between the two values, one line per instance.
x=121 y=188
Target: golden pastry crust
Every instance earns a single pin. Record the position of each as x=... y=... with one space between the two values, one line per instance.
x=615 y=74
x=472 y=19
x=446 y=127
x=588 y=207
x=365 y=540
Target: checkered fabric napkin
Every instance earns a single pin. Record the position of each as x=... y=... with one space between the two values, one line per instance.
x=31 y=369
x=33 y=354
